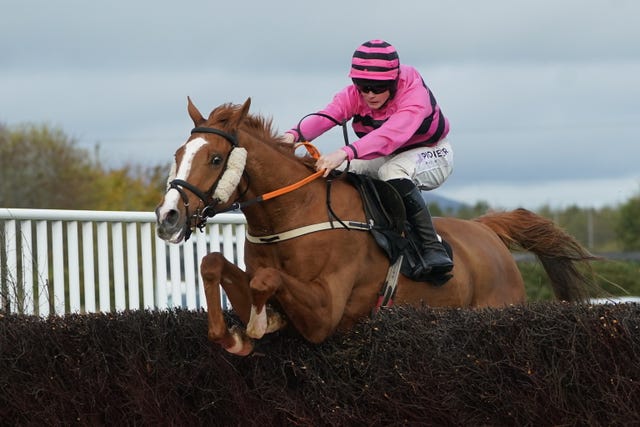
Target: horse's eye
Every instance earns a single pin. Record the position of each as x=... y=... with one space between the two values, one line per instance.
x=216 y=160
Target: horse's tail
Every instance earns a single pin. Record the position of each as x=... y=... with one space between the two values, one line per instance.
x=561 y=254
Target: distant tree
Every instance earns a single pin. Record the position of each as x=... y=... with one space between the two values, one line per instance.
x=436 y=210
x=574 y=220
x=593 y=228
x=131 y=188
x=41 y=167
x=604 y=233
x=628 y=224
x=468 y=212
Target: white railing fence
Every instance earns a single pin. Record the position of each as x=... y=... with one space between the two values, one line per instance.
x=59 y=261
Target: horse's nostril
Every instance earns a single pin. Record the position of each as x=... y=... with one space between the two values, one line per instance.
x=172 y=217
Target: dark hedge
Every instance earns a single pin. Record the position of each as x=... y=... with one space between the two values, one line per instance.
x=542 y=364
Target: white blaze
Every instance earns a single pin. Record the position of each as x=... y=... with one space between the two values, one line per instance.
x=172 y=197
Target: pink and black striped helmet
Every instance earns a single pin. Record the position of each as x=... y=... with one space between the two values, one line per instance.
x=375 y=60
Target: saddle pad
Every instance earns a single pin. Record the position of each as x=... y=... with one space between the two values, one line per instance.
x=384 y=207
x=385 y=210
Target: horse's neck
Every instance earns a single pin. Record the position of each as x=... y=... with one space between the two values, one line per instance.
x=268 y=170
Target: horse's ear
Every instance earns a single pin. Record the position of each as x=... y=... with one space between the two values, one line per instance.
x=194 y=113
x=240 y=115
x=245 y=107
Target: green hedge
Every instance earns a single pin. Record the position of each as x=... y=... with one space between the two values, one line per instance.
x=616 y=278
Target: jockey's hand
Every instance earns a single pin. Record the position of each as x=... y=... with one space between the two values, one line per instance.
x=331 y=161
x=288 y=138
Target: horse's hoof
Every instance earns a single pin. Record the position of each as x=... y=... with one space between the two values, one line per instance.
x=275 y=321
x=242 y=345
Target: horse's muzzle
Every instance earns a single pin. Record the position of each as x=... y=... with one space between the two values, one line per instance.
x=170 y=226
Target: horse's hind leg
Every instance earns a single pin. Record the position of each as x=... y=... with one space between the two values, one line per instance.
x=216 y=271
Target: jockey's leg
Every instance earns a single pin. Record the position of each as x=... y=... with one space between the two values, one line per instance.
x=429 y=167
x=434 y=256
x=365 y=167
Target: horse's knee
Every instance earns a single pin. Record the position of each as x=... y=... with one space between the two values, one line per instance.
x=263 y=285
x=218 y=333
x=311 y=311
x=211 y=265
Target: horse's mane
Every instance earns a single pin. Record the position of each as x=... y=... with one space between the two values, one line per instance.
x=260 y=127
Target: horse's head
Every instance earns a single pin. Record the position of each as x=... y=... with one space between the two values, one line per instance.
x=206 y=172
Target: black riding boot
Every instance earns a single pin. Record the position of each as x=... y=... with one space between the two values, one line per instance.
x=434 y=256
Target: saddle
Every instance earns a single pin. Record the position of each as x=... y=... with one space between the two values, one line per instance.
x=384 y=209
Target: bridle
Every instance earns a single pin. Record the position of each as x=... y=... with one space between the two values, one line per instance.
x=200 y=216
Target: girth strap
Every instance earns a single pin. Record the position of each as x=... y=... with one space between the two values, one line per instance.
x=307 y=229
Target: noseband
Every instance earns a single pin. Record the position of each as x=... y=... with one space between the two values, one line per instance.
x=180 y=185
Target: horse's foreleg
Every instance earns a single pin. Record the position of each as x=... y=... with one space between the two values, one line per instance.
x=263 y=320
x=307 y=305
x=216 y=271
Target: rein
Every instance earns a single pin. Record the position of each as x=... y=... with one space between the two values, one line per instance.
x=342 y=124
x=284 y=190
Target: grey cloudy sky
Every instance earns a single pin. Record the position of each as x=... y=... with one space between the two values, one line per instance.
x=543 y=96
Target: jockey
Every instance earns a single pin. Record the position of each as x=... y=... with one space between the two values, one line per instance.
x=402 y=141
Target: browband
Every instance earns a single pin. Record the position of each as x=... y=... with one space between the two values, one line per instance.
x=231 y=138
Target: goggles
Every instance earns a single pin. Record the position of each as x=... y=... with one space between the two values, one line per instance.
x=377 y=90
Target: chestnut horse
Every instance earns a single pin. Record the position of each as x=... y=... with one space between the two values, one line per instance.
x=321 y=280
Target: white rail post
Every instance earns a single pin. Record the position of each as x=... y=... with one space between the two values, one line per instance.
x=73 y=261
x=58 y=267
x=146 y=241
x=11 y=248
x=117 y=250
x=132 y=266
x=103 y=267
x=175 y=275
x=89 y=268
x=201 y=251
x=43 y=267
x=189 y=274
x=26 y=252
